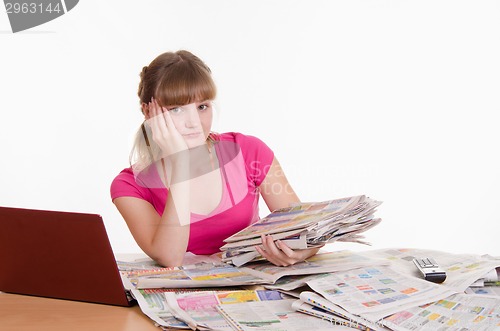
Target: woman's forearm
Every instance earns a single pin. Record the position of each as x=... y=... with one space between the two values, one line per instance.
x=170 y=240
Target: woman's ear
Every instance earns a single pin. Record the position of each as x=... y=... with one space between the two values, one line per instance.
x=145 y=110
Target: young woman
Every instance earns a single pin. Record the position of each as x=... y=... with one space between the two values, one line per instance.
x=189 y=188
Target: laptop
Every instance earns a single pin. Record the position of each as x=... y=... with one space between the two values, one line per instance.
x=59 y=255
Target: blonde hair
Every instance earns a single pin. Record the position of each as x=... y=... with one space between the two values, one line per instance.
x=172 y=78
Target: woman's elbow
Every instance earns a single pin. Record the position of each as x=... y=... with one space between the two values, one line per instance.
x=168 y=260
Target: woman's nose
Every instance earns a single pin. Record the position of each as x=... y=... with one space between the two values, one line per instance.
x=192 y=119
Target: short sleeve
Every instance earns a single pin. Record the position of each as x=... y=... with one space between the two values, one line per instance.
x=257 y=155
x=124 y=185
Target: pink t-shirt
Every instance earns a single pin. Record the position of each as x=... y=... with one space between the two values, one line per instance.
x=244 y=162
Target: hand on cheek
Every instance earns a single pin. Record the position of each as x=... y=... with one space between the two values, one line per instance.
x=163 y=129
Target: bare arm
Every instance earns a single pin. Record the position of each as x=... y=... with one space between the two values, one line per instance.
x=278 y=193
x=164 y=238
x=276 y=190
x=161 y=238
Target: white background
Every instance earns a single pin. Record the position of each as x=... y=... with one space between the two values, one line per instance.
x=393 y=99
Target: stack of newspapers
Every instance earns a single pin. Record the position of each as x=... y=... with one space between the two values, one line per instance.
x=305 y=225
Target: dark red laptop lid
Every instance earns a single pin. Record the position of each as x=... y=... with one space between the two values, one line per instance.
x=58 y=254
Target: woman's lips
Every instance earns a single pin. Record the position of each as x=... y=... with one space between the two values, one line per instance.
x=191 y=135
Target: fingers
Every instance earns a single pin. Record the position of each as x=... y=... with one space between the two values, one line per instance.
x=277 y=252
x=285 y=249
x=169 y=121
x=157 y=115
x=280 y=254
x=163 y=130
x=161 y=122
x=153 y=118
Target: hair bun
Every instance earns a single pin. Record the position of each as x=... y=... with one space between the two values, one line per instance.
x=140 y=90
x=143 y=72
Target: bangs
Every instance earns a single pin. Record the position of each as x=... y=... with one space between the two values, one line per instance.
x=185 y=84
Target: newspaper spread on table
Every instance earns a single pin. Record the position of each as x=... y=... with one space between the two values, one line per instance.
x=271 y=315
x=376 y=292
x=373 y=290
x=222 y=274
x=457 y=312
x=312 y=300
x=462 y=270
x=195 y=309
x=369 y=301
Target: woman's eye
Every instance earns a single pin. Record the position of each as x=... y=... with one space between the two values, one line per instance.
x=175 y=110
x=202 y=107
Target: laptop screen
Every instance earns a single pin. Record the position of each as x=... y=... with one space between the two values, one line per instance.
x=59 y=255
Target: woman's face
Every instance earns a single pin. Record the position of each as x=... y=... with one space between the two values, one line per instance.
x=193 y=121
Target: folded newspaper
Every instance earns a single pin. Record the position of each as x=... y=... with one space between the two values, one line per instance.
x=224 y=275
x=305 y=225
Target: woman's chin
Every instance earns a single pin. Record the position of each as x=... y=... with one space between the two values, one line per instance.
x=193 y=143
